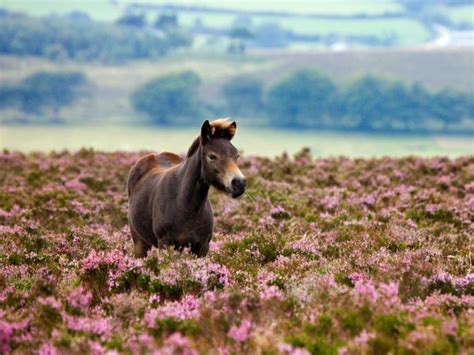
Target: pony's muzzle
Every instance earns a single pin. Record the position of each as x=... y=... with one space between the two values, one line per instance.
x=238 y=186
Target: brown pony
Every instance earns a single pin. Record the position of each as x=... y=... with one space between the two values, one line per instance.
x=168 y=195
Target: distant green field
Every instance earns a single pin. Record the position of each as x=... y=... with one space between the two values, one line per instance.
x=407 y=31
x=347 y=7
x=459 y=14
x=107 y=11
x=264 y=141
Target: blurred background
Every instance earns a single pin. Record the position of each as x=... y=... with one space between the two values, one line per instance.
x=356 y=77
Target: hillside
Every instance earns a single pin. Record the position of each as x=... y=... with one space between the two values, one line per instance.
x=108 y=97
x=327 y=255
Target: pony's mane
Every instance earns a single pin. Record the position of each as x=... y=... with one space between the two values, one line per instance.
x=194 y=147
x=221 y=128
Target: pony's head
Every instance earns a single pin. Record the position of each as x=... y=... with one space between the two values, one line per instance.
x=219 y=157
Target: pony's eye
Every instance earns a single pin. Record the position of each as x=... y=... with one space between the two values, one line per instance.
x=212 y=156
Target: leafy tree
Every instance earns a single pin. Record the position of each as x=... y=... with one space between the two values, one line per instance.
x=367 y=101
x=239 y=35
x=304 y=96
x=169 y=98
x=166 y=22
x=50 y=91
x=450 y=106
x=270 y=35
x=132 y=20
x=63 y=37
x=243 y=95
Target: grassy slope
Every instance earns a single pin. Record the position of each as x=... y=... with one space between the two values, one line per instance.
x=460 y=14
x=263 y=141
x=105 y=10
x=371 y=256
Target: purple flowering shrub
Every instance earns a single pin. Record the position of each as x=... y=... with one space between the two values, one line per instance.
x=321 y=256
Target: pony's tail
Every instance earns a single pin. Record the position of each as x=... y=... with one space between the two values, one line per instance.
x=140 y=169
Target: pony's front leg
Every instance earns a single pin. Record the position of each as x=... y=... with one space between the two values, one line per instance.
x=203 y=250
x=140 y=246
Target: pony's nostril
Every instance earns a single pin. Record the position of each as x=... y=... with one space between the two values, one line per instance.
x=238 y=184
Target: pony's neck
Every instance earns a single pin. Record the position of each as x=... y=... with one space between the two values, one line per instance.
x=194 y=187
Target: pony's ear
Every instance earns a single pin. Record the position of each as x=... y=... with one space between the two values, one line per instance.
x=206 y=132
x=231 y=129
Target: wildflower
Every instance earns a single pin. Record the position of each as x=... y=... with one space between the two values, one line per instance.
x=6 y=333
x=75 y=185
x=242 y=332
x=80 y=298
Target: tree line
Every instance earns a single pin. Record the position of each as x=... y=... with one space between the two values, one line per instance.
x=304 y=99
x=77 y=37
x=309 y=99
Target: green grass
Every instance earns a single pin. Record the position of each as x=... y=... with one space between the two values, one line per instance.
x=263 y=141
x=460 y=14
x=105 y=10
x=349 y=7
x=408 y=31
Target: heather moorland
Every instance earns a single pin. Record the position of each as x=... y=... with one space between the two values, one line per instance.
x=320 y=256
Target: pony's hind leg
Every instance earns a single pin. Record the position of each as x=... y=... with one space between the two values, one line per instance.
x=140 y=246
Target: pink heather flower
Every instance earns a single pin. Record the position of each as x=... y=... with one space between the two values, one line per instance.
x=96 y=349
x=187 y=308
x=271 y=292
x=114 y=261
x=369 y=200
x=178 y=340
x=78 y=207
x=430 y=208
x=291 y=350
x=47 y=349
x=470 y=203
x=75 y=185
x=154 y=298
x=366 y=289
x=176 y=344
x=11 y=230
x=15 y=210
x=398 y=174
x=444 y=180
x=364 y=337
x=469 y=187
x=307 y=244
x=389 y=294
x=80 y=298
x=97 y=326
x=450 y=327
x=6 y=333
x=50 y=301
x=242 y=332
x=382 y=180
x=266 y=221
x=277 y=211
x=330 y=202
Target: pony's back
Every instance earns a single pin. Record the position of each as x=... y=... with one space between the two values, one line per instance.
x=148 y=163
